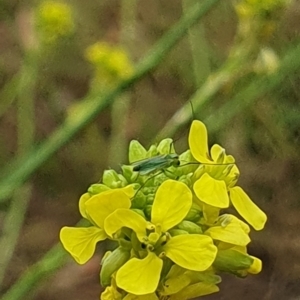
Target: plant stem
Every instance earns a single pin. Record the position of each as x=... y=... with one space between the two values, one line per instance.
x=199 y=47
x=51 y=262
x=259 y=86
x=14 y=218
x=120 y=107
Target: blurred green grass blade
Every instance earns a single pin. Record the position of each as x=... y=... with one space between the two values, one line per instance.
x=20 y=170
x=121 y=106
x=259 y=86
x=289 y=63
x=8 y=94
x=199 y=48
x=54 y=259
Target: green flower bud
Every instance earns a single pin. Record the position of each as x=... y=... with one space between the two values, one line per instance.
x=136 y=151
x=190 y=227
x=187 y=163
x=139 y=212
x=122 y=180
x=232 y=261
x=147 y=211
x=174 y=232
x=110 y=178
x=150 y=199
x=152 y=151
x=112 y=263
x=166 y=146
x=187 y=179
x=205 y=276
x=97 y=188
x=194 y=215
x=128 y=173
x=139 y=201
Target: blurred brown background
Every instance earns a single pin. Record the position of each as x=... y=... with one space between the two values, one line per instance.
x=264 y=137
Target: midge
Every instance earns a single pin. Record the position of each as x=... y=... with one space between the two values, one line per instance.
x=161 y=162
x=164 y=161
x=156 y=163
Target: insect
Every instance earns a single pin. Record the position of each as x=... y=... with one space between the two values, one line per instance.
x=156 y=163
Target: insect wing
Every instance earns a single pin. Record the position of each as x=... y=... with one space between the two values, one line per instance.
x=149 y=165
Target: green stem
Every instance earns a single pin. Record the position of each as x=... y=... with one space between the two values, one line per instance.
x=118 y=149
x=14 y=218
x=120 y=107
x=20 y=170
x=289 y=64
x=51 y=262
x=202 y=96
x=8 y=94
x=199 y=47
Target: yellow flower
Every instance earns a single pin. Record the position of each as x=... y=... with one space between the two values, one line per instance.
x=141 y=274
x=185 y=284
x=81 y=242
x=111 y=292
x=214 y=183
x=111 y=63
x=53 y=20
x=231 y=230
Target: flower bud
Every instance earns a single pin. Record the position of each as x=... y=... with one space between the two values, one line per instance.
x=110 y=178
x=147 y=211
x=166 y=146
x=128 y=173
x=112 y=263
x=232 y=261
x=174 y=232
x=97 y=188
x=136 y=151
x=139 y=211
x=194 y=215
x=190 y=227
x=139 y=201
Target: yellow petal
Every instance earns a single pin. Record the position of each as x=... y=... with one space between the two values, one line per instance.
x=191 y=251
x=247 y=209
x=82 y=202
x=175 y=281
x=210 y=213
x=140 y=276
x=172 y=202
x=151 y=296
x=81 y=242
x=256 y=266
x=198 y=142
x=111 y=293
x=195 y=290
x=217 y=154
x=212 y=191
x=102 y=205
x=128 y=190
x=126 y=218
x=232 y=233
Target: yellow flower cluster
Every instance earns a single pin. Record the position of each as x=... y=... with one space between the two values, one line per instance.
x=110 y=62
x=252 y=8
x=258 y=18
x=167 y=215
x=54 y=20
